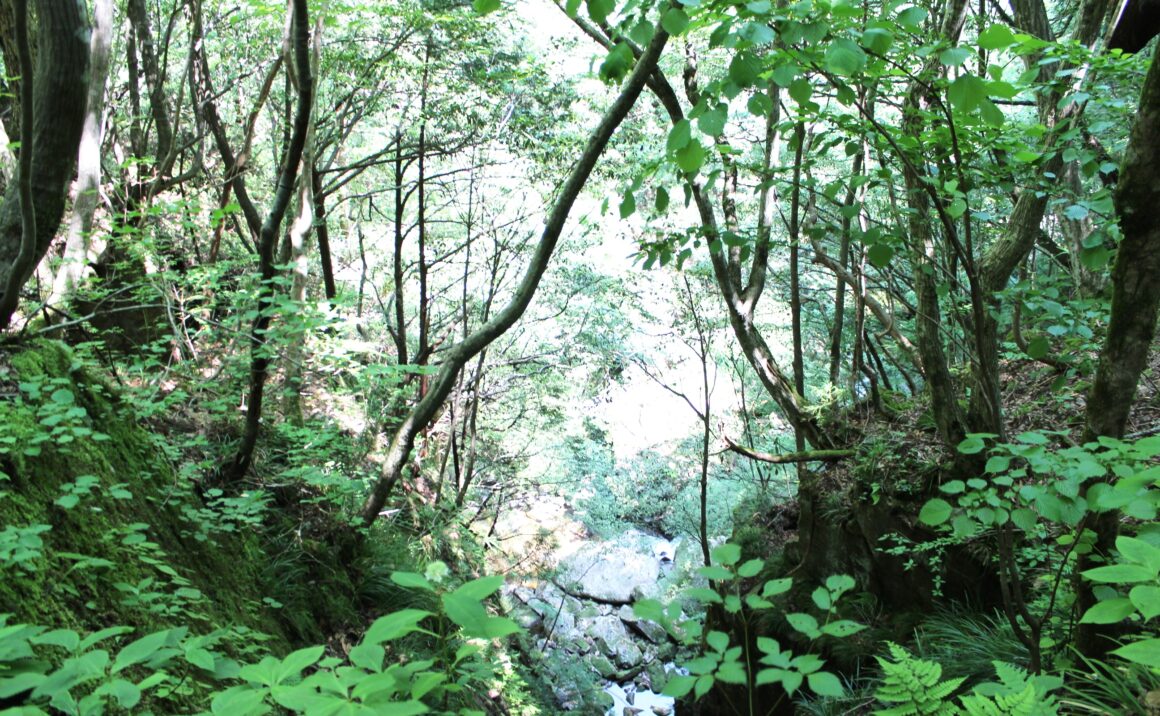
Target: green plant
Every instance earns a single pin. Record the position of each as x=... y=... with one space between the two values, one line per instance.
x=67 y=673
x=915 y=687
x=1030 y=491
x=373 y=678
x=738 y=664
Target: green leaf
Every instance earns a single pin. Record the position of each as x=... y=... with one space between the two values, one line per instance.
x=599 y=10
x=412 y=580
x=64 y=638
x=616 y=63
x=679 y=136
x=240 y=701
x=679 y=685
x=759 y=104
x=1109 y=611
x=912 y=17
x=715 y=572
x=1121 y=574
x=842 y=628
x=880 y=255
x=777 y=586
x=727 y=554
x=394 y=625
x=821 y=597
x=935 y=512
x=801 y=90
x=1038 y=347
x=750 y=568
x=713 y=121
x=1140 y=552
x=467 y=612
x=719 y=641
x=1146 y=599
x=691 y=157
x=141 y=650
x=877 y=39
x=823 y=683
x=996 y=37
x=844 y=57
x=675 y=21
x=1025 y=519
x=1146 y=652
x=966 y=92
x=703 y=594
x=703 y=685
x=803 y=623
x=972 y=444
x=954 y=56
x=784 y=74
x=744 y=69
x=627 y=205
x=662 y=200
x=298 y=661
x=483 y=7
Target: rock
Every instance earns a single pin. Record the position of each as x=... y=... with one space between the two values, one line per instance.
x=657 y=676
x=652 y=631
x=602 y=665
x=614 y=641
x=526 y=618
x=609 y=574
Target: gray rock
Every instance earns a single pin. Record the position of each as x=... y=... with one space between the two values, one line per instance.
x=614 y=641
x=650 y=630
x=602 y=665
x=607 y=573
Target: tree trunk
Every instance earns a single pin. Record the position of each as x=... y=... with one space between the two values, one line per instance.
x=60 y=91
x=457 y=356
x=260 y=358
x=77 y=247
x=1135 y=300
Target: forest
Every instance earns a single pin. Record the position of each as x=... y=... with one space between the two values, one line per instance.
x=532 y=357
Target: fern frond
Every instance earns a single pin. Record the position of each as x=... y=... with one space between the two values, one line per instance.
x=914 y=685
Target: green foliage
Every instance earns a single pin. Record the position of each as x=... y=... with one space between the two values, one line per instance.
x=915 y=687
x=722 y=661
x=370 y=679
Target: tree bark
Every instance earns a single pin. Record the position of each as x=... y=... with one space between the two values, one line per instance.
x=237 y=468
x=77 y=247
x=1132 y=327
x=58 y=115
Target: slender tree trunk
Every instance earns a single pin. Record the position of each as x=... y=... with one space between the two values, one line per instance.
x=457 y=356
x=795 y=292
x=320 y=226
x=298 y=236
x=260 y=358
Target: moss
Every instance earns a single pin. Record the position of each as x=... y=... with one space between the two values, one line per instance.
x=125 y=552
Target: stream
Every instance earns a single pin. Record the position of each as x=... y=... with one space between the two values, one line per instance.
x=580 y=620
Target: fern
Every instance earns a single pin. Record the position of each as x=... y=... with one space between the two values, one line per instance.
x=915 y=686
x=1017 y=694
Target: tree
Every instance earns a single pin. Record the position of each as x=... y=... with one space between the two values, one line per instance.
x=52 y=114
x=458 y=355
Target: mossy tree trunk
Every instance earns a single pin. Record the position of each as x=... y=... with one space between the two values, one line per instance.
x=58 y=99
x=1135 y=300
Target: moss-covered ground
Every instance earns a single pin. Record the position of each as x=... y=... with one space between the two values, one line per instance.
x=97 y=530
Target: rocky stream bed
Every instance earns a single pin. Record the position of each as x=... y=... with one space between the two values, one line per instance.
x=582 y=614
